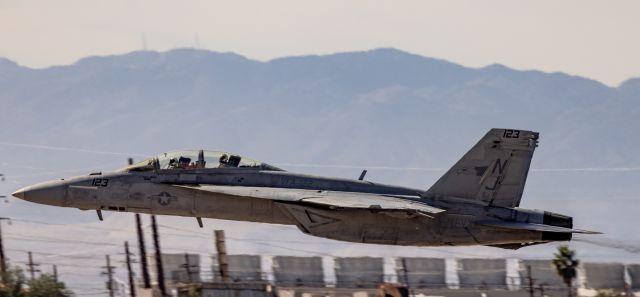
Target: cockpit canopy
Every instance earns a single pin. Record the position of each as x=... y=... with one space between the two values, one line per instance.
x=198 y=159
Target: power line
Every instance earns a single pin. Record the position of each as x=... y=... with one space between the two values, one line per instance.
x=264 y=242
x=634 y=249
x=259 y=241
x=254 y=241
x=75 y=266
x=59 y=148
x=127 y=230
x=97 y=243
x=40 y=173
x=338 y=166
x=62 y=241
x=88 y=257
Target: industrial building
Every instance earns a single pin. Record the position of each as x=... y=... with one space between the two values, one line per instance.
x=360 y=276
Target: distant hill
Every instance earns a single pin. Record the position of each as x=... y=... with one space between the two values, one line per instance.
x=375 y=99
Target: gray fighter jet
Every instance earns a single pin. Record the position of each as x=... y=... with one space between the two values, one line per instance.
x=474 y=203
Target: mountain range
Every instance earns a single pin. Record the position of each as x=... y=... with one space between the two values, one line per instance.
x=404 y=117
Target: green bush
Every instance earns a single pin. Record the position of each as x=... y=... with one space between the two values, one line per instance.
x=14 y=284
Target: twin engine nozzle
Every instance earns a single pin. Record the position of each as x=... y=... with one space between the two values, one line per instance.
x=531 y=216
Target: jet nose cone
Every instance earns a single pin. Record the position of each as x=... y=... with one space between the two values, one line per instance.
x=18 y=193
x=51 y=193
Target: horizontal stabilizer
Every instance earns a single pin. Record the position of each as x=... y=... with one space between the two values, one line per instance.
x=532 y=227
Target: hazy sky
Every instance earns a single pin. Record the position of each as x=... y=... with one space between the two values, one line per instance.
x=596 y=39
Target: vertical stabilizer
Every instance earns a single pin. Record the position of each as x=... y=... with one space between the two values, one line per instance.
x=493 y=172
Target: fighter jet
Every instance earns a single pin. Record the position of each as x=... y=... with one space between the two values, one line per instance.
x=473 y=203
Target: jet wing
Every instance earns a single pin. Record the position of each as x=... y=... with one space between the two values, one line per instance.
x=532 y=227
x=330 y=199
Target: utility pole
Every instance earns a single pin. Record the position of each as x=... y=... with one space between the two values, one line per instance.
x=109 y=274
x=159 y=268
x=3 y=260
x=144 y=266
x=132 y=285
x=406 y=275
x=541 y=288
x=530 y=280
x=221 y=248
x=55 y=273
x=143 y=254
x=187 y=267
x=32 y=267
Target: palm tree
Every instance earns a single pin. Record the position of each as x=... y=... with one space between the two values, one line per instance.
x=566 y=265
